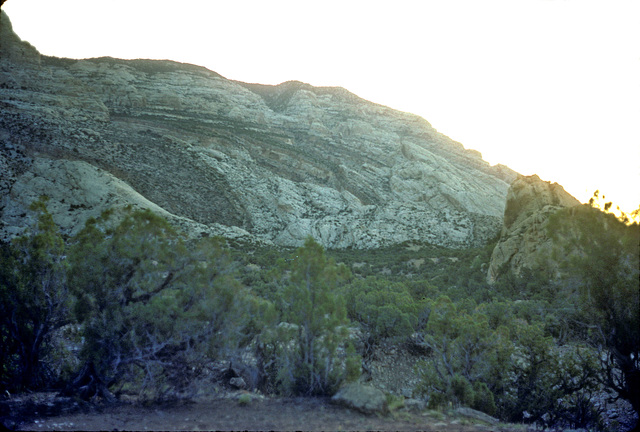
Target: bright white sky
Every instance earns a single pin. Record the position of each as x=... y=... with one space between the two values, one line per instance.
x=547 y=87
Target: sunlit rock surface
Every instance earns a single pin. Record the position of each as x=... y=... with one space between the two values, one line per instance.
x=524 y=242
x=269 y=163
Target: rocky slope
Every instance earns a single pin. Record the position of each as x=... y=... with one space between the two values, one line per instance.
x=524 y=242
x=274 y=163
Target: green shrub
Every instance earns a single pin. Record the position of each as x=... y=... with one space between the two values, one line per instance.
x=394 y=402
x=307 y=353
x=600 y=254
x=385 y=309
x=483 y=399
x=460 y=391
x=244 y=399
x=152 y=309
x=34 y=303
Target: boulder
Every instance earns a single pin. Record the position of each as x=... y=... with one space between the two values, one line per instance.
x=363 y=398
x=475 y=415
x=238 y=383
x=415 y=405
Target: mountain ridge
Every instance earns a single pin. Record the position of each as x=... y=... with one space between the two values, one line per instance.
x=219 y=157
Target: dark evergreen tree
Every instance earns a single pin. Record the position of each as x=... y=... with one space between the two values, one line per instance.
x=304 y=347
x=153 y=311
x=34 y=300
x=602 y=260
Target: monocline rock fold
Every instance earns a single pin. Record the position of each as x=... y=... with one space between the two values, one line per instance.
x=215 y=156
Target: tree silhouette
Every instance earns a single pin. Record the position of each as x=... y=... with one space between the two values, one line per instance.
x=602 y=260
x=33 y=299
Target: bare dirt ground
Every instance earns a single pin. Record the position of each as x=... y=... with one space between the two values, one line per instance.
x=262 y=414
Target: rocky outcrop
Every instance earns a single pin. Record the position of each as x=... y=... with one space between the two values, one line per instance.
x=363 y=398
x=269 y=163
x=12 y=47
x=476 y=415
x=524 y=242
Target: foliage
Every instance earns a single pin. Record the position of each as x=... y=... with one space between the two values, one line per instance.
x=467 y=355
x=491 y=360
x=394 y=403
x=385 y=309
x=244 y=399
x=482 y=342
x=153 y=311
x=303 y=351
x=546 y=381
x=602 y=261
x=34 y=301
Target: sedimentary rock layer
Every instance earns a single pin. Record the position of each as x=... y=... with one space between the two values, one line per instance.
x=216 y=156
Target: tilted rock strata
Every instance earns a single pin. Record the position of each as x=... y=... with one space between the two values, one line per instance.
x=275 y=163
x=524 y=242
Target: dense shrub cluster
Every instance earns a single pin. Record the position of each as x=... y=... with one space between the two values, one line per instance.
x=34 y=302
x=528 y=348
x=149 y=311
x=131 y=299
x=308 y=351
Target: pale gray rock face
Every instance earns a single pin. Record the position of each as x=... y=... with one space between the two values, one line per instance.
x=476 y=415
x=270 y=163
x=524 y=242
x=366 y=399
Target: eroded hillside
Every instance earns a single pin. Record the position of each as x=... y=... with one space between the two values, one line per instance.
x=215 y=156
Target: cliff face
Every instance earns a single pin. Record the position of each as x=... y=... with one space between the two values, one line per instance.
x=524 y=242
x=275 y=163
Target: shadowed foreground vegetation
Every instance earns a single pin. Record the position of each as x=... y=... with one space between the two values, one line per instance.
x=131 y=306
